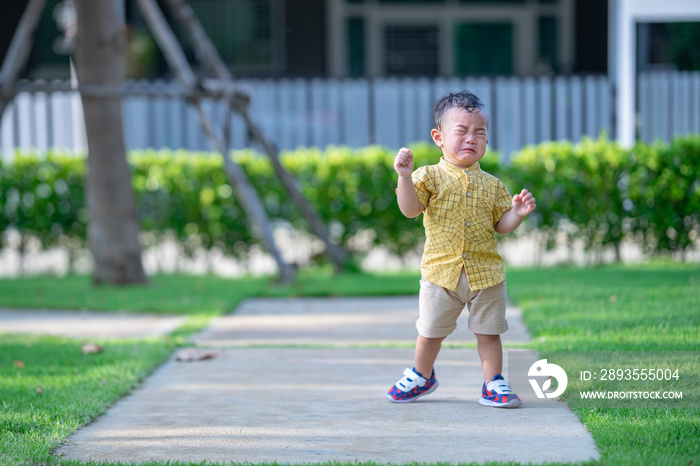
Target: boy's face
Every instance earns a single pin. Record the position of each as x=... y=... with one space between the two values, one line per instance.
x=463 y=137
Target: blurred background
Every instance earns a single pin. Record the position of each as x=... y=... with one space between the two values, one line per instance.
x=361 y=72
x=338 y=86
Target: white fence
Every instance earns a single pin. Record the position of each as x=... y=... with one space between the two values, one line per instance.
x=668 y=105
x=390 y=112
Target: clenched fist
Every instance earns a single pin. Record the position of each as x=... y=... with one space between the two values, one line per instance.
x=403 y=163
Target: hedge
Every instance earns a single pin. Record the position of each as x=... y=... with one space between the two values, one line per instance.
x=650 y=194
x=44 y=198
x=664 y=190
x=578 y=185
x=598 y=191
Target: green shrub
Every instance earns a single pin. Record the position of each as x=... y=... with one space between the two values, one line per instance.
x=43 y=197
x=595 y=190
x=579 y=184
x=187 y=195
x=355 y=190
x=664 y=188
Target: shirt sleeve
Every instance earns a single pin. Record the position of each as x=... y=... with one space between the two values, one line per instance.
x=423 y=185
x=504 y=202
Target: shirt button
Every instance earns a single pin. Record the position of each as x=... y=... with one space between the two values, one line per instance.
x=464 y=256
x=468 y=223
x=469 y=194
x=469 y=173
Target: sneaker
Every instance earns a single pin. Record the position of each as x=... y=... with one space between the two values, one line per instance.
x=412 y=387
x=498 y=393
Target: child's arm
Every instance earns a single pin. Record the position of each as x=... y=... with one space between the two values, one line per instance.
x=523 y=204
x=409 y=204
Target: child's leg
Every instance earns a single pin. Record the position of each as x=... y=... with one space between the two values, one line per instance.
x=491 y=354
x=495 y=392
x=427 y=350
x=438 y=310
x=487 y=319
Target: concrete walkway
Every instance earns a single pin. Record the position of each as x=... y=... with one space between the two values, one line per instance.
x=333 y=321
x=318 y=395
x=85 y=324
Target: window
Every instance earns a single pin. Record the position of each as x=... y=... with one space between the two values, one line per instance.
x=356 y=47
x=483 y=48
x=48 y=57
x=411 y=50
x=452 y=37
x=245 y=32
x=548 y=51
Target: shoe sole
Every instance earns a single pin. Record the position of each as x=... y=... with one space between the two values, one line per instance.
x=410 y=400
x=493 y=404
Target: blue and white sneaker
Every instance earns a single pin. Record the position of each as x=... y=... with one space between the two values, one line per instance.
x=499 y=394
x=412 y=387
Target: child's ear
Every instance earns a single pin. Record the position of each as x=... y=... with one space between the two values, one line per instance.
x=437 y=137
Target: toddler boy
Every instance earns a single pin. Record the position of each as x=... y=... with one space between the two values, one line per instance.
x=462 y=208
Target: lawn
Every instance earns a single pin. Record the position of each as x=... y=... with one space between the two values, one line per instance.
x=193 y=294
x=48 y=388
x=623 y=317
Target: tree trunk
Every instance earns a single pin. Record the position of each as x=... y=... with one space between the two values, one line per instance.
x=113 y=229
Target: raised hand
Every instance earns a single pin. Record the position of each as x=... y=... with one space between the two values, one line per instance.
x=403 y=163
x=523 y=203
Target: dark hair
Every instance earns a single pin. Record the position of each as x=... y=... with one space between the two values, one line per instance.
x=464 y=100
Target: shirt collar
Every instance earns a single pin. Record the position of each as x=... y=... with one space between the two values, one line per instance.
x=475 y=167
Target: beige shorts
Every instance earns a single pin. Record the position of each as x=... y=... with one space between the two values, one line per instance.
x=439 y=308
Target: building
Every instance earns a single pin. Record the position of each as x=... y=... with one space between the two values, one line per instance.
x=379 y=38
x=370 y=38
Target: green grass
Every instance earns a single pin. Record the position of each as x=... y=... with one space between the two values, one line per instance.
x=639 y=312
x=652 y=307
x=629 y=308
x=75 y=388
x=199 y=297
x=182 y=294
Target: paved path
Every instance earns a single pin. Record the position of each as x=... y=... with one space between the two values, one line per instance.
x=84 y=324
x=296 y=404
x=333 y=321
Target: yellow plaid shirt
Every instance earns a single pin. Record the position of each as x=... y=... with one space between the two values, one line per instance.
x=462 y=205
